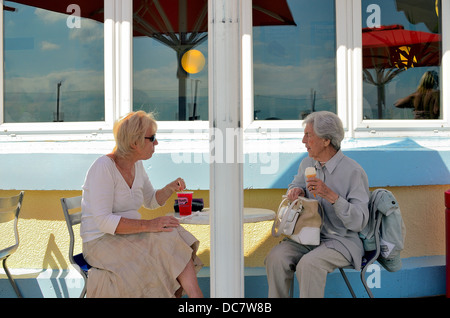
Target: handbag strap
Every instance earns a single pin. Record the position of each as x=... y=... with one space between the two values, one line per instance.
x=290 y=206
x=322 y=215
x=284 y=218
x=286 y=214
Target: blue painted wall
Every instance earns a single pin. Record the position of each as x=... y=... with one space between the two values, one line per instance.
x=419 y=277
x=398 y=162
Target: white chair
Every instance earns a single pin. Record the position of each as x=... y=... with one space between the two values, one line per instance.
x=72 y=219
x=9 y=210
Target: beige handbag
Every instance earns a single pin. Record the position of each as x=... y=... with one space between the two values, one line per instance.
x=299 y=220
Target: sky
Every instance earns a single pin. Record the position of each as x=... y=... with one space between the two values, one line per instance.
x=42 y=51
x=294 y=66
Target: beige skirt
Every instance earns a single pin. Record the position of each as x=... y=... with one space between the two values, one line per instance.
x=139 y=265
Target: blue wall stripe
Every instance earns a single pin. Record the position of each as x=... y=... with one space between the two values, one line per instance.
x=402 y=163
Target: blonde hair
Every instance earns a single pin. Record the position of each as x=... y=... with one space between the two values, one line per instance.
x=429 y=80
x=130 y=130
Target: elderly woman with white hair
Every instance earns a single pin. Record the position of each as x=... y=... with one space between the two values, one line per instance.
x=341 y=187
x=130 y=256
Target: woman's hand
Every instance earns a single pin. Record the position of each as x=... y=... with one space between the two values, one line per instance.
x=294 y=193
x=163 y=224
x=163 y=194
x=160 y=224
x=318 y=187
x=177 y=185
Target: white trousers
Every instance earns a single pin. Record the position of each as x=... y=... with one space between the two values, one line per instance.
x=311 y=264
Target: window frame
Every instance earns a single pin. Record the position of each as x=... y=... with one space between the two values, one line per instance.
x=349 y=85
x=65 y=130
x=288 y=127
x=118 y=85
x=403 y=127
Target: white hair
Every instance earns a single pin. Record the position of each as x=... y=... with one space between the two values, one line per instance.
x=326 y=125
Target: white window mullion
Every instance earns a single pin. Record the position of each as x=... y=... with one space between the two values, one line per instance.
x=344 y=63
x=445 y=67
x=125 y=58
x=123 y=39
x=110 y=57
x=2 y=64
x=356 y=78
x=118 y=58
x=247 y=63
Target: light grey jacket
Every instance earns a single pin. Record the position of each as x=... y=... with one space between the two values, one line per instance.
x=392 y=230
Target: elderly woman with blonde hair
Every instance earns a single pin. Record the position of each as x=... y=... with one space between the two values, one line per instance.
x=130 y=256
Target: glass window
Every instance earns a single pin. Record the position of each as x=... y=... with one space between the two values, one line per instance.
x=53 y=65
x=295 y=65
x=170 y=51
x=401 y=59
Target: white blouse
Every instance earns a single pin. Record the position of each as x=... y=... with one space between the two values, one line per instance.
x=107 y=197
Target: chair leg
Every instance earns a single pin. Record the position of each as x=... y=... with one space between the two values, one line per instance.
x=363 y=280
x=344 y=276
x=291 y=290
x=11 y=280
x=84 y=274
x=83 y=292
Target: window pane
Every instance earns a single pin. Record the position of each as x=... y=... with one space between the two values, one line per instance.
x=53 y=66
x=295 y=66
x=170 y=50
x=401 y=59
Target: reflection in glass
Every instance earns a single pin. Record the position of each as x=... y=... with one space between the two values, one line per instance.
x=53 y=66
x=401 y=59
x=295 y=66
x=170 y=74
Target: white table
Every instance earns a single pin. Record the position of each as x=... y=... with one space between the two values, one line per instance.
x=251 y=215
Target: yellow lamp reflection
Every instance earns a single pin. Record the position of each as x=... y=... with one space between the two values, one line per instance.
x=406 y=59
x=193 y=61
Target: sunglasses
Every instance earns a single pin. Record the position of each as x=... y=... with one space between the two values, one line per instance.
x=151 y=138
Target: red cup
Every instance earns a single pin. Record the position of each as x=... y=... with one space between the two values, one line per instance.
x=185 y=202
